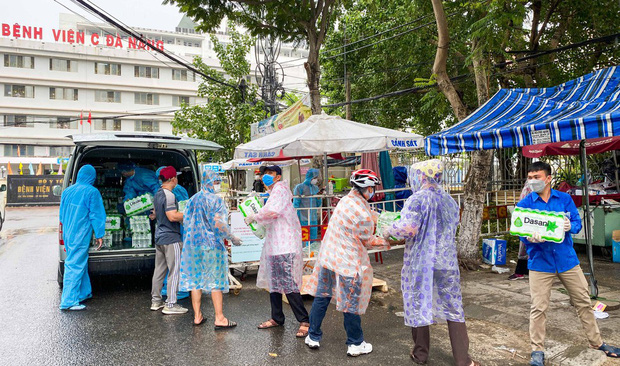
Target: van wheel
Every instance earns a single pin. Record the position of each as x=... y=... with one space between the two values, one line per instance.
x=61 y=270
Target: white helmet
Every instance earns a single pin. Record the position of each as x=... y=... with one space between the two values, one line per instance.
x=364 y=178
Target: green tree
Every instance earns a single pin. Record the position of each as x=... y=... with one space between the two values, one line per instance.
x=226 y=117
x=304 y=21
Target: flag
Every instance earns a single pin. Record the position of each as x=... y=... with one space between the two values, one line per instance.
x=18 y=151
x=60 y=168
x=31 y=169
x=89 y=118
x=81 y=118
x=21 y=166
x=10 y=170
x=40 y=169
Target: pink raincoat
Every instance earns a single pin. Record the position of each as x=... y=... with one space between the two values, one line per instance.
x=344 y=252
x=281 y=259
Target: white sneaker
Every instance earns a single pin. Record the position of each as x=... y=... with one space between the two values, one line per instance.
x=174 y=309
x=312 y=344
x=363 y=349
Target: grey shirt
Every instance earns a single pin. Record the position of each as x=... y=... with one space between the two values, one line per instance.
x=167 y=232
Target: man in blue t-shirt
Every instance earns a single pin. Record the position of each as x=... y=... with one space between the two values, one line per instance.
x=549 y=260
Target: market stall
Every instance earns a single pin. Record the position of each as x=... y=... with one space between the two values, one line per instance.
x=580 y=109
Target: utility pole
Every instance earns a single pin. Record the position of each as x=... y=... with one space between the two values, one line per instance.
x=269 y=72
x=347 y=82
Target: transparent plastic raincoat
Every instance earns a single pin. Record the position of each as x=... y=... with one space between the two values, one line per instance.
x=204 y=259
x=430 y=278
x=344 y=252
x=281 y=259
x=308 y=217
x=81 y=213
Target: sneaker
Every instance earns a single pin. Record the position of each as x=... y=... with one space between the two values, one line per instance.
x=514 y=277
x=312 y=344
x=77 y=307
x=174 y=309
x=538 y=358
x=156 y=305
x=363 y=349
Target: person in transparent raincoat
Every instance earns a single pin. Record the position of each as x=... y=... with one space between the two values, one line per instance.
x=430 y=278
x=308 y=217
x=281 y=259
x=342 y=271
x=204 y=259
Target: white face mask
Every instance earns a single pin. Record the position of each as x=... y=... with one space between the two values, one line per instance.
x=217 y=188
x=537 y=185
x=314 y=181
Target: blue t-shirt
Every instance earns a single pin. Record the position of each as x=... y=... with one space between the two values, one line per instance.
x=548 y=256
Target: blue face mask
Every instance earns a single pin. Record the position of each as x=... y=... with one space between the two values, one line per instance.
x=268 y=180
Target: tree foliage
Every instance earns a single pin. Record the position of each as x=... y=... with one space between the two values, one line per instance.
x=226 y=117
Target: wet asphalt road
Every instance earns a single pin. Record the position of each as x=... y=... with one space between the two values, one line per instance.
x=117 y=328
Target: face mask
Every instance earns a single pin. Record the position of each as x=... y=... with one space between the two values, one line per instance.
x=370 y=195
x=217 y=188
x=537 y=185
x=314 y=181
x=268 y=180
x=256 y=177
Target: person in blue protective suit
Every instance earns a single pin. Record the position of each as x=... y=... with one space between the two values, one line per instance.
x=81 y=213
x=400 y=181
x=181 y=195
x=307 y=207
x=138 y=181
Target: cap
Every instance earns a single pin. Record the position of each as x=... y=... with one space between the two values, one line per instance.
x=169 y=172
x=271 y=168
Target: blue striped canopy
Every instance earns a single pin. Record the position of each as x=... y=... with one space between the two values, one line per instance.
x=587 y=107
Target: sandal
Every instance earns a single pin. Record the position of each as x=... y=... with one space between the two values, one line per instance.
x=303 y=330
x=269 y=324
x=200 y=322
x=416 y=361
x=228 y=326
x=610 y=351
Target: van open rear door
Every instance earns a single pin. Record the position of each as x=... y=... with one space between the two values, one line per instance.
x=143 y=140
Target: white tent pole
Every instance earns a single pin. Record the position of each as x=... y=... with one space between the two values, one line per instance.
x=325 y=177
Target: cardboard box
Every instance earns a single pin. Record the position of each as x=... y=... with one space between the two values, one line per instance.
x=139 y=204
x=550 y=225
x=615 y=242
x=494 y=251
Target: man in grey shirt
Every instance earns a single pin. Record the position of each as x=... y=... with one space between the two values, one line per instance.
x=168 y=244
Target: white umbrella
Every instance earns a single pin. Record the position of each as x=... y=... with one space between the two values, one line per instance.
x=324 y=135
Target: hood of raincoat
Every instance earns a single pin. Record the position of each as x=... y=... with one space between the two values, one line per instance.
x=159 y=170
x=311 y=174
x=209 y=178
x=426 y=173
x=400 y=174
x=86 y=175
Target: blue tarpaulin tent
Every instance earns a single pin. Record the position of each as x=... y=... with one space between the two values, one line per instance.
x=584 y=108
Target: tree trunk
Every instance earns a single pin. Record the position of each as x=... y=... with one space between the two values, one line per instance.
x=313 y=72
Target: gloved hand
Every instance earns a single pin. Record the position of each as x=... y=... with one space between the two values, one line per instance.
x=567 y=224
x=249 y=219
x=236 y=241
x=535 y=238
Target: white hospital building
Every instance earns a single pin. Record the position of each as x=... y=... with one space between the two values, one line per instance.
x=46 y=86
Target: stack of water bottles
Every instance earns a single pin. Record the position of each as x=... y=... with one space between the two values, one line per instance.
x=107 y=241
x=140 y=231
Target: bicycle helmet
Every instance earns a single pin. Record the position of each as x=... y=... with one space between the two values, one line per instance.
x=364 y=178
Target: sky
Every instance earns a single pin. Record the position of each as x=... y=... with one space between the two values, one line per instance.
x=135 y=13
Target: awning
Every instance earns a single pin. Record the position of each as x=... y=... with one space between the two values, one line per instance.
x=593 y=146
x=584 y=108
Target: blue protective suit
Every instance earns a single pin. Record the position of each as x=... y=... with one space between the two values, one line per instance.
x=143 y=181
x=81 y=213
x=308 y=217
x=400 y=181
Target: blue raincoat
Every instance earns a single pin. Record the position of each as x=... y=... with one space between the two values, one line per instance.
x=204 y=259
x=430 y=278
x=143 y=181
x=308 y=217
x=400 y=181
x=81 y=213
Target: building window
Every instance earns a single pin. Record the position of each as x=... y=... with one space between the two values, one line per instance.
x=106 y=68
x=62 y=151
x=64 y=123
x=18 y=150
x=147 y=98
x=108 y=124
x=177 y=100
x=146 y=72
x=63 y=93
x=61 y=64
x=147 y=126
x=107 y=96
x=19 y=91
x=24 y=62
x=12 y=120
x=183 y=75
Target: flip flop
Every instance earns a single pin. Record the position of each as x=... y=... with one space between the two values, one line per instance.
x=230 y=325
x=303 y=333
x=610 y=351
x=272 y=324
x=199 y=323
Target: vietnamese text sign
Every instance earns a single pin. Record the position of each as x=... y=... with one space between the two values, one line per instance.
x=252 y=246
x=550 y=225
x=32 y=189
